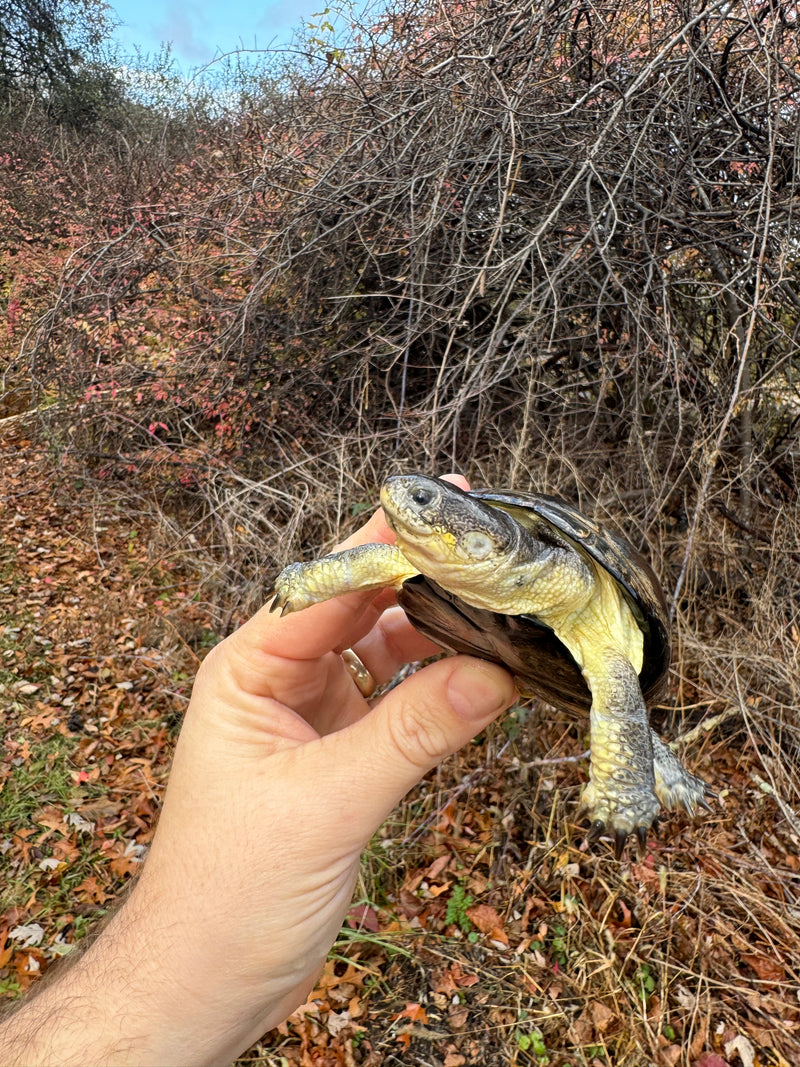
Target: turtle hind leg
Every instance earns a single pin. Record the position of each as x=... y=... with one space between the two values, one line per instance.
x=620 y=798
x=675 y=786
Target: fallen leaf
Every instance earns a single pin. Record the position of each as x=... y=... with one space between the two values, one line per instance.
x=488 y=922
x=602 y=1016
x=458 y=1016
x=91 y=889
x=330 y=978
x=337 y=1021
x=450 y=979
x=669 y=1055
x=741 y=1045
x=439 y=865
x=6 y=946
x=50 y=817
x=363 y=917
x=356 y=1008
x=582 y=1030
x=410 y=904
x=699 y=1039
x=73 y=819
x=768 y=970
x=29 y=935
x=414 y=1012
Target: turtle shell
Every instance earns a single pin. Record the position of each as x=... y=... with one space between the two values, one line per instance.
x=542 y=665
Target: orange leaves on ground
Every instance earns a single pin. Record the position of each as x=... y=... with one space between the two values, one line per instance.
x=90 y=889
x=414 y=1012
x=486 y=919
x=28 y=965
x=449 y=980
x=327 y=1024
x=6 y=945
x=90 y=666
x=337 y=975
x=416 y=1016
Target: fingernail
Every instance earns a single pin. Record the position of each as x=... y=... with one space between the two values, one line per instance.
x=479 y=690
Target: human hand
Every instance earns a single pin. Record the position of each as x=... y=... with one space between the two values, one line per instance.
x=282 y=773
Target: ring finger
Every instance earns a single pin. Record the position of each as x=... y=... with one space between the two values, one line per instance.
x=391 y=644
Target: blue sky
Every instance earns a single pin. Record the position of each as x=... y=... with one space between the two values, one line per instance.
x=200 y=29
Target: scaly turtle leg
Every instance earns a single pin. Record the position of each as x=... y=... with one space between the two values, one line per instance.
x=633 y=773
x=620 y=797
x=373 y=566
x=675 y=786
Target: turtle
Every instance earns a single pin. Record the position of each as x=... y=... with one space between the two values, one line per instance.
x=528 y=581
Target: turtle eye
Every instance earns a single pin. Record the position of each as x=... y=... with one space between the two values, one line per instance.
x=421 y=495
x=478 y=545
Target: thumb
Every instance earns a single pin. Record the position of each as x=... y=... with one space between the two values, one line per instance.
x=431 y=714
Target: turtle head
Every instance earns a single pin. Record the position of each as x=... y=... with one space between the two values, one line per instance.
x=483 y=553
x=439 y=526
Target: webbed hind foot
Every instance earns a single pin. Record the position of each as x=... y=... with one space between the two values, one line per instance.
x=675 y=786
x=621 y=801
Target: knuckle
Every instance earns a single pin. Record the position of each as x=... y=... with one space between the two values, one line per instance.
x=417 y=736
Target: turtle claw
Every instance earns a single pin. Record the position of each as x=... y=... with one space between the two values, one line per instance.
x=596 y=831
x=289 y=591
x=620 y=837
x=279 y=605
x=641 y=841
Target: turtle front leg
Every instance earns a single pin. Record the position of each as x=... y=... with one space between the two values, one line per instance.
x=373 y=566
x=620 y=797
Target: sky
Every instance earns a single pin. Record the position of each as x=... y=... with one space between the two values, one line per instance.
x=200 y=29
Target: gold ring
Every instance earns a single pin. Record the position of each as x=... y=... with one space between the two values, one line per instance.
x=359 y=673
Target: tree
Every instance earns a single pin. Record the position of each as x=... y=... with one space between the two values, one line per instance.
x=52 y=51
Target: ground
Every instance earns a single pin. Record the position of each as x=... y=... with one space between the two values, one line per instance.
x=483 y=930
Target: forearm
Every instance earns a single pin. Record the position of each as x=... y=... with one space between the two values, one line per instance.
x=108 y=1006
x=141 y=994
